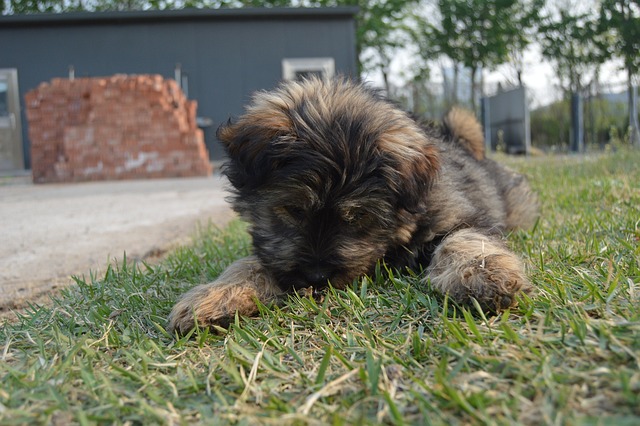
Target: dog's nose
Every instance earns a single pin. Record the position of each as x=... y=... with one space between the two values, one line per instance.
x=317 y=277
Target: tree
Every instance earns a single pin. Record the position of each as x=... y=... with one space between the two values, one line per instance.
x=60 y=6
x=260 y=3
x=620 y=19
x=476 y=33
x=38 y=6
x=431 y=37
x=528 y=19
x=570 y=40
x=379 y=28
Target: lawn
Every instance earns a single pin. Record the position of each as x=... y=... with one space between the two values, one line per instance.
x=386 y=350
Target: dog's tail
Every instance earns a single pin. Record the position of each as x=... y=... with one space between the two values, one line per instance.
x=463 y=126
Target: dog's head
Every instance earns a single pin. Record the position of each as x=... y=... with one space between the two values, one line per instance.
x=329 y=176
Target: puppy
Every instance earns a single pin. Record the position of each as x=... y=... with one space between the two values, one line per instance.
x=332 y=178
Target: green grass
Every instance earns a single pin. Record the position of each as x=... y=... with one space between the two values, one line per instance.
x=386 y=350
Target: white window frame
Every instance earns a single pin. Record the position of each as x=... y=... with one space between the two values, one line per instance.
x=292 y=66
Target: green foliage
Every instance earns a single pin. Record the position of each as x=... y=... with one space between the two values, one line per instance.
x=550 y=125
x=43 y=6
x=380 y=27
x=578 y=43
x=386 y=350
x=61 y=6
x=478 y=34
x=620 y=19
x=527 y=20
x=262 y=3
x=572 y=42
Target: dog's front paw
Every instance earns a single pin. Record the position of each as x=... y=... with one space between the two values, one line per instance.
x=212 y=304
x=470 y=265
x=235 y=291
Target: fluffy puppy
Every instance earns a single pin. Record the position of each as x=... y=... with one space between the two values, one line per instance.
x=332 y=178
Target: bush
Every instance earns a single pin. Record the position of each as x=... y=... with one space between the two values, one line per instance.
x=550 y=125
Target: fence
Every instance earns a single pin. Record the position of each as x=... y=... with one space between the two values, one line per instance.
x=604 y=112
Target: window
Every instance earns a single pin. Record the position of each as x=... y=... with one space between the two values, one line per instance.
x=300 y=68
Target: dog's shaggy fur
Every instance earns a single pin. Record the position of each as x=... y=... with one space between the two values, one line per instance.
x=332 y=178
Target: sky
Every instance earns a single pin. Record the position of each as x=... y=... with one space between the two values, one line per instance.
x=539 y=76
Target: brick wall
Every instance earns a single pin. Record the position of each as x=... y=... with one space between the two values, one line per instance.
x=120 y=127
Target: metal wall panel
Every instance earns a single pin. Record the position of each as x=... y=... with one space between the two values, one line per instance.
x=506 y=118
x=226 y=54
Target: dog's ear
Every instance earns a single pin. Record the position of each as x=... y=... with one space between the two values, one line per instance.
x=250 y=144
x=415 y=163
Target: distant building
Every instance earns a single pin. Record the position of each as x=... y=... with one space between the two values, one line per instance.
x=219 y=57
x=506 y=121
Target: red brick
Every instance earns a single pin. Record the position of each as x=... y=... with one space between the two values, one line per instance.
x=118 y=127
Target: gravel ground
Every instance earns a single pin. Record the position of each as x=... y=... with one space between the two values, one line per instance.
x=50 y=232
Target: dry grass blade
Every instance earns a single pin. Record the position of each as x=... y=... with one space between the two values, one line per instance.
x=326 y=390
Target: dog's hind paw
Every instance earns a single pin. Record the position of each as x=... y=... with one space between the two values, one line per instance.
x=470 y=265
x=235 y=291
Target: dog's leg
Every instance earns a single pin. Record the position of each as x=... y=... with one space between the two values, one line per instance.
x=216 y=303
x=471 y=265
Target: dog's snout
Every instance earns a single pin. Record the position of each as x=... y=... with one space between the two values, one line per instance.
x=317 y=276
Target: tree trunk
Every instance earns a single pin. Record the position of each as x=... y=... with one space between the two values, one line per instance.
x=634 y=129
x=474 y=71
x=577 y=123
x=385 y=78
x=456 y=74
x=519 y=73
x=385 y=66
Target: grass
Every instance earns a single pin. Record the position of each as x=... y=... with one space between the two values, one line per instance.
x=386 y=350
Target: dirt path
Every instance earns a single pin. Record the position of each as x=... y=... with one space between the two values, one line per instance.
x=50 y=232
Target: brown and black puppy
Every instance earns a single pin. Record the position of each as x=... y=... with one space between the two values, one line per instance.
x=333 y=178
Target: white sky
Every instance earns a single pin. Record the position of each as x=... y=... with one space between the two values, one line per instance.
x=539 y=76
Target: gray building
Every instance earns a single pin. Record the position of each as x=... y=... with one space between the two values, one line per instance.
x=218 y=56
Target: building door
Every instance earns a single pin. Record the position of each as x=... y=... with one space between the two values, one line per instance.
x=11 y=156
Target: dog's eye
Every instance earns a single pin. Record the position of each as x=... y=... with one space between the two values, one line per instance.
x=292 y=214
x=355 y=216
x=295 y=212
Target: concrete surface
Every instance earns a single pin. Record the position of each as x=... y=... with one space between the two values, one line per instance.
x=50 y=232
